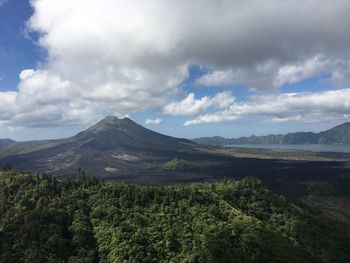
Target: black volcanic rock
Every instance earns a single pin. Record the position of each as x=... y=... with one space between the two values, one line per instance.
x=337 y=135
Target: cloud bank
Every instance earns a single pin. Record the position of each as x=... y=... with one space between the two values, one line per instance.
x=288 y=107
x=124 y=56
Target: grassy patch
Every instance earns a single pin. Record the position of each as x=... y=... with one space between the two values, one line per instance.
x=181 y=165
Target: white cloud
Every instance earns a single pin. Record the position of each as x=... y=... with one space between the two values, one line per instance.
x=294 y=73
x=153 y=121
x=287 y=107
x=216 y=78
x=222 y=100
x=43 y=88
x=272 y=75
x=27 y=73
x=124 y=56
x=7 y=105
x=212 y=118
x=188 y=106
x=192 y=106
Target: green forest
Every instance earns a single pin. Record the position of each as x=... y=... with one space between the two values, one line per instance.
x=44 y=219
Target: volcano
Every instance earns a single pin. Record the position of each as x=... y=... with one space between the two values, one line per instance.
x=113 y=147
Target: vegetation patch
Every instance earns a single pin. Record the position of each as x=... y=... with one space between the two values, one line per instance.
x=43 y=219
x=182 y=165
x=339 y=187
x=126 y=157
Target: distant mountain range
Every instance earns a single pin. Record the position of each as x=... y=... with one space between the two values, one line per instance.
x=337 y=135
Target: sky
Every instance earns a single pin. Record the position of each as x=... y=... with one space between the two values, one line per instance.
x=186 y=68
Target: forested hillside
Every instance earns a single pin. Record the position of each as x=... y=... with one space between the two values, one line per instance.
x=43 y=219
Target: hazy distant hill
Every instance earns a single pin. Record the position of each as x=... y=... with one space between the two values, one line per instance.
x=337 y=135
x=5 y=142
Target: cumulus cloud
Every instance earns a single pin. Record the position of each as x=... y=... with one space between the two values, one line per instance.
x=188 y=106
x=290 y=74
x=216 y=78
x=123 y=56
x=287 y=107
x=25 y=74
x=192 y=106
x=212 y=118
x=222 y=99
x=7 y=105
x=153 y=121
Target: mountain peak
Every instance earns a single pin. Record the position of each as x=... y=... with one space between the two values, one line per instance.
x=115 y=120
x=113 y=133
x=112 y=123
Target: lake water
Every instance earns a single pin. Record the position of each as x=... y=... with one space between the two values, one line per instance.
x=338 y=148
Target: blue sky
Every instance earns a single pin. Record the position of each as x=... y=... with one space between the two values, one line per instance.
x=17 y=51
x=65 y=65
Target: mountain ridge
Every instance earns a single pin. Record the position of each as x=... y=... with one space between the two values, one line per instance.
x=337 y=135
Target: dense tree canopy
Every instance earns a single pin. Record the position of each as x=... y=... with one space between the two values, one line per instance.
x=43 y=219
